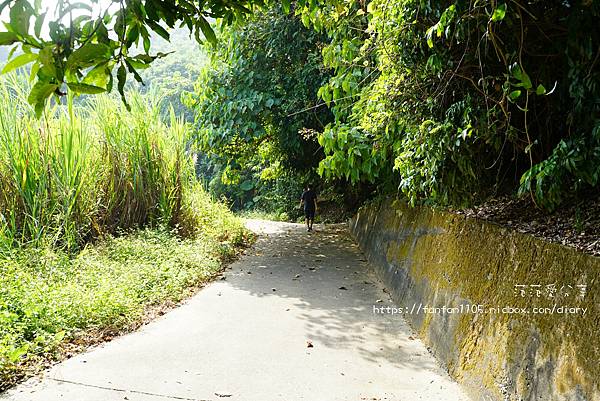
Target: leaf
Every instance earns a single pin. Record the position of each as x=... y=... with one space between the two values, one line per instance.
x=207 y=30
x=132 y=35
x=514 y=94
x=158 y=29
x=19 y=61
x=286 y=6
x=521 y=76
x=87 y=56
x=20 y=13
x=147 y=44
x=429 y=35
x=139 y=65
x=121 y=79
x=540 y=90
x=38 y=95
x=34 y=70
x=109 y=86
x=132 y=70
x=85 y=88
x=499 y=13
x=305 y=20
x=15 y=354
x=526 y=81
x=98 y=76
x=7 y=38
x=151 y=11
x=269 y=103
x=39 y=21
x=102 y=33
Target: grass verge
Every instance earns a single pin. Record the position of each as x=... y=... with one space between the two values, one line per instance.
x=53 y=303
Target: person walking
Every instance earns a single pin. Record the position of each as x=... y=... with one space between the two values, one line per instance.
x=309 y=201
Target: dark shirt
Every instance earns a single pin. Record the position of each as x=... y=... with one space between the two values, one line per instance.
x=309 y=197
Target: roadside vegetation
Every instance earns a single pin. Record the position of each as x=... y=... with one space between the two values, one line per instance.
x=101 y=219
x=488 y=107
x=448 y=103
x=452 y=104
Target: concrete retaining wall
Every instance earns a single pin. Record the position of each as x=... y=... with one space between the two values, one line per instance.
x=433 y=259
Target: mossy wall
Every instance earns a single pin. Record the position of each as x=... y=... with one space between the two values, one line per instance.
x=435 y=259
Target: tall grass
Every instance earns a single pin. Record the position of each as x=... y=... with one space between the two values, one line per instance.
x=86 y=171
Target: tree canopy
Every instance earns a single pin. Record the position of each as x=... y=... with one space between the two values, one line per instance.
x=260 y=87
x=448 y=102
x=457 y=100
x=86 y=43
x=257 y=108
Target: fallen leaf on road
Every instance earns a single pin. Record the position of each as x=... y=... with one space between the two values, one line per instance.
x=309 y=344
x=343 y=288
x=411 y=338
x=223 y=395
x=273 y=289
x=297 y=276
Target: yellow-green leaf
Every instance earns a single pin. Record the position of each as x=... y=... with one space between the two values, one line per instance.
x=85 y=88
x=499 y=13
x=19 y=61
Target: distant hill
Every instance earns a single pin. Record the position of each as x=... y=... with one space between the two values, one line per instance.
x=177 y=72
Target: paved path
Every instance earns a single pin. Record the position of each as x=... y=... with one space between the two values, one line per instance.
x=245 y=338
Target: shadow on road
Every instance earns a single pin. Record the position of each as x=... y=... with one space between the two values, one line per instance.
x=332 y=285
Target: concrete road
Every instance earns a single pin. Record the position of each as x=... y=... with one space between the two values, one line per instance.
x=291 y=320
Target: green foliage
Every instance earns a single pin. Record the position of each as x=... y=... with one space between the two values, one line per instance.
x=261 y=186
x=451 y=99
x=96 y=171
x=86 y=43
x=261 y=87
x=48 y=297
x=88 y=171
x=257 y=112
